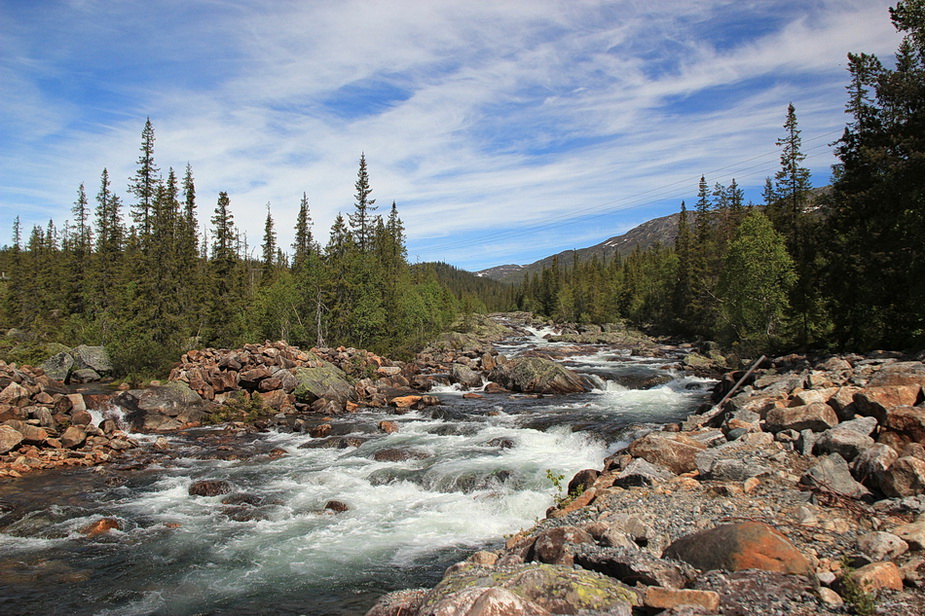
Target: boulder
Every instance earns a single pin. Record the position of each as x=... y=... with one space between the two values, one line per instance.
x=101 y=526
x=846 y=442
x=555 y=546
x=162 y=407
x=831 y=474
x=85 y=375
x=878 y=576
x=465 y=376
x=326 y=381
x=734 y=547
x=209 y=487
x=554 y=588
x=879 y=545
x=633 y=566
x=905 y=477
x=32 y=435
x=59 y=366
x=908 y=421
x=899 y=374
x=878 y=401
x=640 y=472
x=674 y=451
x=14 y=394
x=817 y=417
x=10 y=439
x=95 y=358
x=871 y=463
x=669 y=598
x=913 y=534
x=73 y=438
x=538 y=375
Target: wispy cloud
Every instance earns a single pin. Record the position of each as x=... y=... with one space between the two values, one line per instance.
x=481 y=119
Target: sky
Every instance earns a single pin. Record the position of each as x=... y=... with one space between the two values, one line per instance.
x=504 y=130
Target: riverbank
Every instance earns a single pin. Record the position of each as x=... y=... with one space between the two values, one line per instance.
x=802 y=495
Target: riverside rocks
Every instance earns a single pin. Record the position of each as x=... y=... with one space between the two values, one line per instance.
x=42 y=426
x=753 y=508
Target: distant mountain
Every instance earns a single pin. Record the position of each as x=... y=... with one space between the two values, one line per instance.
x=659 y=230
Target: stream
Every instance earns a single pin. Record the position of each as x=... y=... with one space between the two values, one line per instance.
x=454 y=478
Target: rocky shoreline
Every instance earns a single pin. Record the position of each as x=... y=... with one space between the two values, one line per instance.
x=802 y=494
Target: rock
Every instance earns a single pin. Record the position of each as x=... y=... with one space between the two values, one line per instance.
x=639 y=472
x=759 y=592
x=582 y=480
x=10 y=438
x=161 y=443
x=554 y=546
x=632 y=567
x=908 y=421
x=320 y=431
x=900 y=374
x=336 y=506
x=398 y=603
x=674 y=451
x=32 y=435
x=830 y=598
x=734 y=547
x=14 y=394
x=101 y=526
x=59 y=366
x=877 y=401
x=326 y=381
x=845 y=442
x=878 y=576
x=465 y=376
x=913 y=534
x=817 y=417
x=210 y=487
x=905 y=477
x=163 y=407
x=732 y=469
x=81 y=417
x=870 y=464
x=831 y=474
x=94 y=358
x=73 y=438
x=554 y=588
x=396 y=454
x=389 y=427
x=879 y=545
x=668 y=598
x=486 y=602
x=538 y=375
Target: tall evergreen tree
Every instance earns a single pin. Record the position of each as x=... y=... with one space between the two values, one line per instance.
x=268 y=248
x=683 y=285
x=363 y=221
x=144 y=183
x=304 y=243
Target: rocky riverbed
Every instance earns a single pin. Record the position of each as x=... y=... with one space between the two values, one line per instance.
x=802 y=494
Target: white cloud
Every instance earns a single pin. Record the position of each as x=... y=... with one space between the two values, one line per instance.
x=514 y=113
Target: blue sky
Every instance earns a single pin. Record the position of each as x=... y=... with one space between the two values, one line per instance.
x=505 y=130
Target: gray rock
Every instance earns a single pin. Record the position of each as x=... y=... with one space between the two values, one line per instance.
x=465 y=376
x=817 y=417
x=736 y=470
x=871 y=463
x=878 y=546
x=861 y=425
x=85 y=375
x=846 y=442
x=538 y=375
x=905 y=477
x=326 y=382
x=165 y=407
x=95 y=358
x=831 y=474
x=641 y=473
x=59 y=366
x=632 y=567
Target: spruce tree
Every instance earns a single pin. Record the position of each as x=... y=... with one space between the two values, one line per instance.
x=303 y=245
x=363 y=221
x=268 y=248
x=144 y=183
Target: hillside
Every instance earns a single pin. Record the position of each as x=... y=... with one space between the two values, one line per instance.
x=658 y=230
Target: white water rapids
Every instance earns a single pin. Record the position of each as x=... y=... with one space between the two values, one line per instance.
x=474 y=471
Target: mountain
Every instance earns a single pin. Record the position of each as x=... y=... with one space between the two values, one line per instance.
x=658 y=230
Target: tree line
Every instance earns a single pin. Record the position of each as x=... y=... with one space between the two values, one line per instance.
x=842 y=267
x=150 y=286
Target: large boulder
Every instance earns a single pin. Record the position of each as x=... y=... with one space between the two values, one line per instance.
x=10 y=438
x=465 y=376
x=672 y=450
x=59 y=366
x=92 y=357
x=817 y=417
x=163 y=407
x=734 y=547
x=538 y=375
x=878 y=401
x=324 y=381
x=905 y=477
x=832 y=474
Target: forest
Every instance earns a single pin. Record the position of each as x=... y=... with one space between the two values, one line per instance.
x=842 y=267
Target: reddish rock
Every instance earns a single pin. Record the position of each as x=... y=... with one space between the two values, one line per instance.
x=250 y=379
x=669 y=598
x=320 y=431
x=900 y=373
x=10 y=438
x=878 y=401
x=103 y=525
x=209 y=487
x=389 y=427
x=396 y=454
x=81 y=417
x=907 y=420
x=734 y=547
x=73 y=437
x=336 y=506
x=674 y=451
x=270 y=384
x=14 y=394
x=553 y=546
x=905 y=477
x=878 y=576
x=472 y=396
x=871 y=463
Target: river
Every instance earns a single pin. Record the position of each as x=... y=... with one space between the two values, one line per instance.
x=469 y=472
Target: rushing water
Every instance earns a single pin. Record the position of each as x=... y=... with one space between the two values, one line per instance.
x=472 y=471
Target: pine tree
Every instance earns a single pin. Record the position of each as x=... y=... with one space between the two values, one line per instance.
x=304 y=243
x=268 y=262
x=684 y=283
x=792 y=184
x=362 y=221
x=144 y=183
